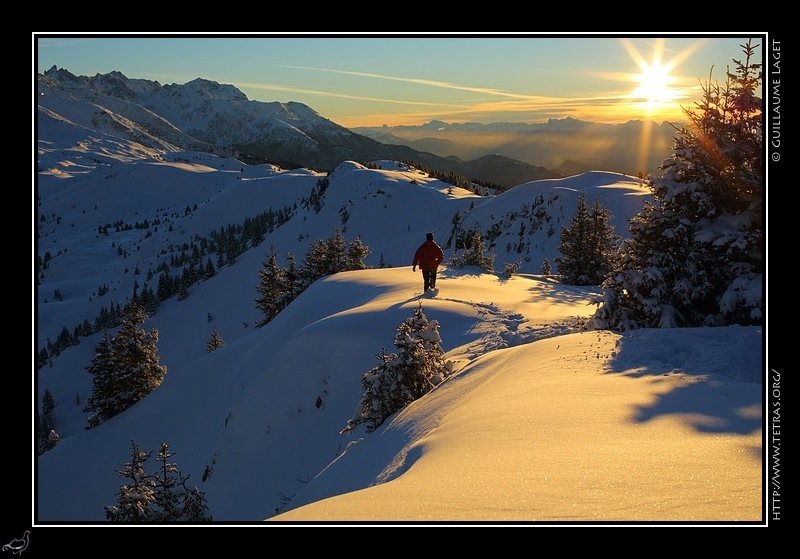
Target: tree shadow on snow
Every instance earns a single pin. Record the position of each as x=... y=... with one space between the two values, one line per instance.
x=717 y=378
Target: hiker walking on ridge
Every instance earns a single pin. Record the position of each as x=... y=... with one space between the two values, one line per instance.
x=428 y=257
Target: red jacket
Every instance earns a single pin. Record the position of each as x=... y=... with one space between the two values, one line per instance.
x=428 y=256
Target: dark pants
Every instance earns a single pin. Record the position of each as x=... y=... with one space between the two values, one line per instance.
x=429 y=278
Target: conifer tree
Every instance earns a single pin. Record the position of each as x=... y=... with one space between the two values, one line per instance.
x=604 y=241
x=48 y=405
x=215 y=342
x=356 y=252
x=420 y=363
x=279 y=286
x=271 y=288
x=335 y=253
x=294 y=281
x=52 y=440
x=38 y=433
x=156 y=497
x=322 y=258
x=134 y=353
x=125 y=368
x=166 y=491
x=134 y=499
x=42 y=358
x=475 y=254
x=511 y=269
x=314 y=264
x=588 y=246
x=194 y=505
x=382 y=394
x=695 y=256
x=46 y=436
x=174 y=500
x=210 y=271
x=546 y=267
x=102 y=371
x=400 y=378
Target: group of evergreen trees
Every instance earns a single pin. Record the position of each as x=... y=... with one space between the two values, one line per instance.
x=588 y=247
x=190 y=258
x=696 y=254
x=278 y=286
x=475 y=253
x=162 y=496
x=46 y=435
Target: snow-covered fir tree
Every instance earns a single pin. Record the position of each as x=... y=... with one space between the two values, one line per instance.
x=156 y=497
x=272 y=288
x=124 y=369
x=46 y=436
x=316 y=262
x=103 y=382
x=381 y=396
x=474 y=254
x=400 y=378
x=167 y=501
x=511 y=269
x=48 y=406
x=215 y=342
x=696 y=254
x=294 y=281
x=52 y=440
x=588 y=247
x=174 y=501
x=420 y=364
x=137 y=494
x=355 y=254
x=195 y=507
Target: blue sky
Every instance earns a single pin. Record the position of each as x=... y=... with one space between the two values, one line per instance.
x=371 y=80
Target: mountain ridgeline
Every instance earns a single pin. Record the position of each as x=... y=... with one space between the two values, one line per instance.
x=567 y=146
x=203 y=115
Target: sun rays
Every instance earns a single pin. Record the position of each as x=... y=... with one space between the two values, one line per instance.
x=658 y=89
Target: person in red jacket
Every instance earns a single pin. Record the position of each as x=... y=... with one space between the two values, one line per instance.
x=428 y=257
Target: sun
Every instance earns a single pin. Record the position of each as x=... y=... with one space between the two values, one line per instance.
x=655 y=84
x=658 y=91
x=654 y=78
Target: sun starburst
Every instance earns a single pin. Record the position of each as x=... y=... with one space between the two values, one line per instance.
x=657 y=89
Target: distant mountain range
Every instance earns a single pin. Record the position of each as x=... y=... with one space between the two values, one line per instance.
x=203 y=115
x=567 y=146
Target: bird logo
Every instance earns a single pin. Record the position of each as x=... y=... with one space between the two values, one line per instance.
x=18 y=545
